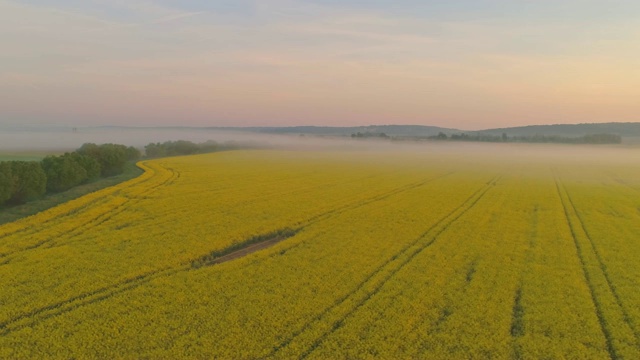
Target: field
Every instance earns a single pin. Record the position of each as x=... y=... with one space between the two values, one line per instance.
x=13 y=213
x=507 y=253
x=25 y=155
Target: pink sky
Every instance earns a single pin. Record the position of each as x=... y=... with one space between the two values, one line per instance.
x=301 y=63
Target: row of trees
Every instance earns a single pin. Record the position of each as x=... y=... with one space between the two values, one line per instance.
x=24 y=180
x=181 y=147
x=586 y=139
x=369 y=135
x=21 y=180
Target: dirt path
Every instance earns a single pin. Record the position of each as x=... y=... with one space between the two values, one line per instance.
x=247 y=250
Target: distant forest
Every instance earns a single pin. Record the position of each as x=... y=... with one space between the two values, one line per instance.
x=586 y=139
x=531 y=133
x=21 y=181
x=478 y=137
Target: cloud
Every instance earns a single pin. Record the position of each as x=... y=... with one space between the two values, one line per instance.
x=176 y=17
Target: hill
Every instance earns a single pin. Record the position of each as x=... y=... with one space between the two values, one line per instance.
x=625 y=130
x=571 y=130
x=391 y=130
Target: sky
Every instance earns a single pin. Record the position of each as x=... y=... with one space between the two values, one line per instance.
x=469 y=64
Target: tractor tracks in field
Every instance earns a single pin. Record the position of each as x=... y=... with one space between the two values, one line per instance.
x=106 y=216
x=615 y=321
x=101 y=218
x=32 y=317
x=375 y=198
x=111 y=212
x=517 y=329
x=242 y=249
x=624 y=183
x=54 y=221
x=314 y=332
x=109 y=191
x=298 y=227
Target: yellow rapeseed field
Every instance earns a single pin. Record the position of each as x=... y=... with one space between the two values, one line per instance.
x=430 y=253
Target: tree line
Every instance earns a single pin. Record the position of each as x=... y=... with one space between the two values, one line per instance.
x=478 y=137
x=586 y=139
x=368 y=135
x=184 y=147
x=180 y=147
x=21 y=181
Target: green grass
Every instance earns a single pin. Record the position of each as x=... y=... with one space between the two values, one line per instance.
x=25 y=155
x=13 y=213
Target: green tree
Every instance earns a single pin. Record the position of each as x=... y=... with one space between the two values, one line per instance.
x=174 y=148
x=208 y=146
x=29 y=180
x=6 y=181
x=153 y=150
x=183 y=147
x=133 y=154
x=90 y=149
x=63 y=172
x=111 y=157
x=89 y=164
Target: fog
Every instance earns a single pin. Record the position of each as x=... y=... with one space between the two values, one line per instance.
x=66 y=139
x=58 y=140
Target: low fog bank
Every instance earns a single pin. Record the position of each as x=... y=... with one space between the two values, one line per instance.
x=67 y=139
x=58 y=140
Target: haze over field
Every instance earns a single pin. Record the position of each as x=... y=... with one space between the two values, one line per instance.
x=385 y=179
x=462 y=64
x=444 y=254
x=65 y=139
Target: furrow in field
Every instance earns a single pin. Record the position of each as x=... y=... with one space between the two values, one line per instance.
x=120 y=208
x=129 y=202
x=34 y=316
x=52 y=217
x=623 y=180
x=622 y=342
x=106 y=212
x=87 y=298
x=349 y=203
x=457 y=299
x=379 y=197
x=101 y=218
x=98 y=200
x=310 y=335
x=517 y=329
x=444 y=312
x=603 y=268
x=37 y=315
